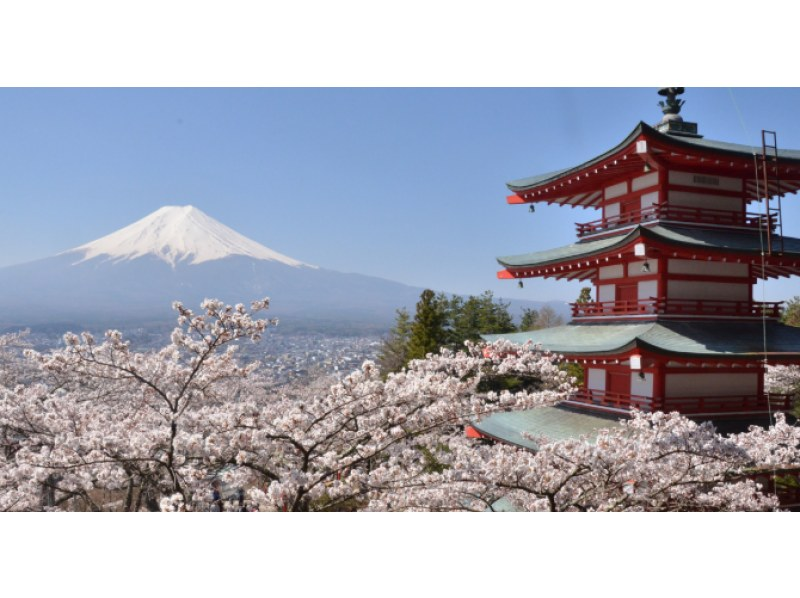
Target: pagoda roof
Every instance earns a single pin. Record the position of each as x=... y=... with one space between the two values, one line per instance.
x=664 y=236
x=581 y=185
x=727 y=340
x=553 y=423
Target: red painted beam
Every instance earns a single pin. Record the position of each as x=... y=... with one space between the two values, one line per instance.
x=472 y=433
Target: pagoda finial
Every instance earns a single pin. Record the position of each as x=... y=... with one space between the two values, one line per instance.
x=672 y=105
x=672 y=122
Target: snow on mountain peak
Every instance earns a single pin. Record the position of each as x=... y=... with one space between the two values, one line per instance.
x=178 y=234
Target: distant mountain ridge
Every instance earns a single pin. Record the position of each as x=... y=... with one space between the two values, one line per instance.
x=179 y=253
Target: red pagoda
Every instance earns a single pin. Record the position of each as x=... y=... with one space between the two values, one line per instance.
x=673 y=325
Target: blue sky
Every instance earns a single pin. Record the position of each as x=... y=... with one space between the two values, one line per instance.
x=403 y=183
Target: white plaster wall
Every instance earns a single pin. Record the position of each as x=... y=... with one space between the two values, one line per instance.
x=596 y=379
x=719 y=291
x=606 y=292
x=635 y=268
x=608 y=272
x=645 y=181
x=643 y=388
x=649 y=199
x=706 y=268
x=711 y=384
x=647 y=289
x=611 y=210
x=705 y=200
x=616 y=190
x=705 y=181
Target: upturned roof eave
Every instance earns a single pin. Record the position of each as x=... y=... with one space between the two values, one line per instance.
x=580 y=339
x=673 y=338
x=594 y=248
x=677 y=142
x=533 y=182
x=599 y=248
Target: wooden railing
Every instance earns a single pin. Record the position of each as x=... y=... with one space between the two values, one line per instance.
x=680 y=214
x=614 y=308
x=612 y=400
x=728 y=404
x=769 y=309
x=685 y=405
x=664 y=306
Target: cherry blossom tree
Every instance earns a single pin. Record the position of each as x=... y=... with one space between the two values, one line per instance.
x=110 y=428
x=652 y=462
x=13 y=368
x=107 y=428
x=782 y=378
x=13 y=372
x=318 y=447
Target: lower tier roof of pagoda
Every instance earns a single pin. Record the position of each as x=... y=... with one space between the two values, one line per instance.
x=702 y=340
x=554 y=423
x=581 y=260
x=563 y=422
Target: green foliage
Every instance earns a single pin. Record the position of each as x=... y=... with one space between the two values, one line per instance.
x=585 y=296
x=786 y=482
x=476 y=316
x=394 y=350
x=574 y=370
x=325 y=504
x=440 y=321
x=791 y=317
x=501 y=383
x=429 y=328
x=432 y=464
x=529 y=320
x=791 y=313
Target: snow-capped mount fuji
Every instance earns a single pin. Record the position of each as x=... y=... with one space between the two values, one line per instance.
x=178 y=234
x=180 y=253
x=130 y=278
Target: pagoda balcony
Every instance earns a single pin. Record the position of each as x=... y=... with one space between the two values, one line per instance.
x=730 y=405
x=689 y=215
x=677 y=307
x=605 y=401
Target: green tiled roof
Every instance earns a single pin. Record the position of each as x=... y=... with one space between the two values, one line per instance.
x=580 y=338
x=553 y=423
x=569 y=252
x=503 y=505
x=721 y=240
x=532 y=181
x=723 y=339
x=528 y=182
x=732 y=149
x=738 y=149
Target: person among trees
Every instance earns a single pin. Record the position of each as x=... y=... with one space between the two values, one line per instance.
x=216 y=497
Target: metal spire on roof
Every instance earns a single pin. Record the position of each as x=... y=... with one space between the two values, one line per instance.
x=672 y=122
x=672 y=105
